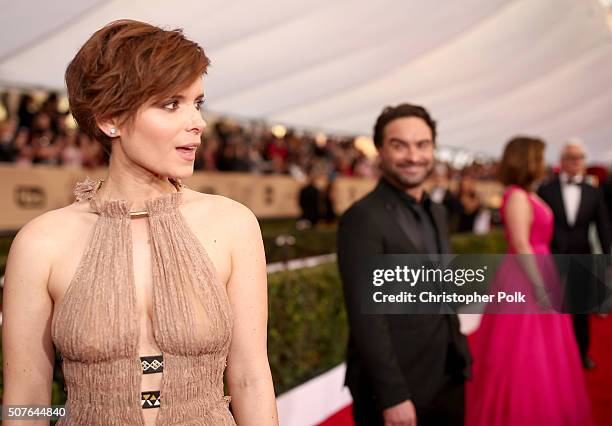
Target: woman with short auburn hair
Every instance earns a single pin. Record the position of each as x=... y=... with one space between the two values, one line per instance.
x=151 y=292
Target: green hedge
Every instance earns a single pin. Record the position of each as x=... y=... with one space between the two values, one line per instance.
x=273 y=227
x=492 y=243
x=5 y=245
x=307 y=330
x=311 y=242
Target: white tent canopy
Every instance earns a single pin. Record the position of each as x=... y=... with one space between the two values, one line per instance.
x=486 y=69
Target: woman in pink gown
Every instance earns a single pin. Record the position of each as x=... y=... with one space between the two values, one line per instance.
x=526 y=368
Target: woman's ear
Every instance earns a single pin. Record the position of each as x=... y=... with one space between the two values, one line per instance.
x=109 y=128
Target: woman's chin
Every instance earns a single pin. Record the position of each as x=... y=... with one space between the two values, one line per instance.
x=183 y=172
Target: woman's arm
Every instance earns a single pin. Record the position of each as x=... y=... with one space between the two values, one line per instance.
x=248 y=372
x=518 y=218
x=27 y=350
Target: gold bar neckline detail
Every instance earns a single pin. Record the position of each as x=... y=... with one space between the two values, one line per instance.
x=143 y=213
x=136 y=215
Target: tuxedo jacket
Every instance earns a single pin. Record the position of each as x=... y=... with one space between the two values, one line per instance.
x=574 y=239
x=392 y=358
x=607 y=194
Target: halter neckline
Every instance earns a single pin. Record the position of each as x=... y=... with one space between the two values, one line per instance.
x=88 y=191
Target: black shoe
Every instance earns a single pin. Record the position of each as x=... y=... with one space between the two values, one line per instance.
x=588 y=363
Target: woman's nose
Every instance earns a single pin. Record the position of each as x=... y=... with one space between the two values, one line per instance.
x=198 y=124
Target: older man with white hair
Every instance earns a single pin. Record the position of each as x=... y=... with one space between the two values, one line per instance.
x=576 y=205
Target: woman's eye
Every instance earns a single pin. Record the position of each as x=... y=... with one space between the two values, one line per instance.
x=199 y=104
x=171 y=106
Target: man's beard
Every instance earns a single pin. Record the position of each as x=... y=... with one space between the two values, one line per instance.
x=396 y=175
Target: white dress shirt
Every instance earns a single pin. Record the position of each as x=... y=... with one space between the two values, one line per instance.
x=572 y=195
x=437 y=194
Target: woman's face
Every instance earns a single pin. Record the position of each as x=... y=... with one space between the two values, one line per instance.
x=467 y=184
x=164 y=136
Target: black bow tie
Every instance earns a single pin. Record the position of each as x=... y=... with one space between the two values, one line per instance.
x=571 y=181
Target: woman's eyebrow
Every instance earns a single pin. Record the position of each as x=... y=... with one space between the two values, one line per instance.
x=182 y=97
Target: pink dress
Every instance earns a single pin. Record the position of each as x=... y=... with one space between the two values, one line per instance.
x=526 y=368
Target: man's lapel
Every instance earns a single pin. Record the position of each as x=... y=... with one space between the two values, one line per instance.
x=406 y=224
x=581 y=213
x=559 y=205
x=440 y=222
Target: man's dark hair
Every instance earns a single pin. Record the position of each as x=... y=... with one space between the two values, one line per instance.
x=391 y=113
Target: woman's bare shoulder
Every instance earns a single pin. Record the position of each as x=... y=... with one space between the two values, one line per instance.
x=70 y=215
x=51 y=228
x=218 y=204
x=219 y=209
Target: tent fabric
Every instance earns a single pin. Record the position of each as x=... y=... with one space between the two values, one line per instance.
x=486 y=69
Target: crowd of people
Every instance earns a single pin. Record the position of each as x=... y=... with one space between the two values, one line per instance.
x=41 y=133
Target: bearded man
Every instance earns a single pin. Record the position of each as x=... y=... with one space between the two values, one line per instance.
x=401 y=369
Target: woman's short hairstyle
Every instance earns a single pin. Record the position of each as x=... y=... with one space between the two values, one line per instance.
x=125 y=65
x=522 y=163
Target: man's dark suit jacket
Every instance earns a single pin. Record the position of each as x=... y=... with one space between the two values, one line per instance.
x=607 y=194
x=574 y=239
x=394 y=357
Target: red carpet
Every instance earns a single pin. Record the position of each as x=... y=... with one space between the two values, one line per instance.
x=599 y=381
x=343 y=417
